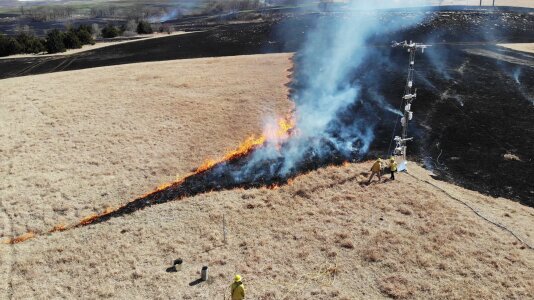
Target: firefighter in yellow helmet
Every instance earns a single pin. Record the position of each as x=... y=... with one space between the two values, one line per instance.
x=376 y=169
x=392 y=167
x=237 y=289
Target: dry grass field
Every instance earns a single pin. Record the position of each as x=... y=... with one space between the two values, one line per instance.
x=325 y=236
x=75 y=142
x=523 y=47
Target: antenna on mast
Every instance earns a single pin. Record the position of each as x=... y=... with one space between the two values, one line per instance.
x=407 y=99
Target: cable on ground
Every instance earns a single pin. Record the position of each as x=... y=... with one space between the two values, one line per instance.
x=476 y=212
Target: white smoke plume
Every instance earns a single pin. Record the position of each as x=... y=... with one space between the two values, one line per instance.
x=332 y=117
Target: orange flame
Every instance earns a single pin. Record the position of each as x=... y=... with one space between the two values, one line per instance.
x=21 y=238
x=280 y=133
x=242 y=150
x=276 y=135
x=90 y=218
x=273 y=187
x=59 y=227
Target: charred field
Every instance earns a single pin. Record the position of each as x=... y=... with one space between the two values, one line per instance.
x=285 y=32
x=475 y=115
x=475 y=106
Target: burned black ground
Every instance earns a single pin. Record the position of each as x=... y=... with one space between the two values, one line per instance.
x=283 y=33
x=473 y=119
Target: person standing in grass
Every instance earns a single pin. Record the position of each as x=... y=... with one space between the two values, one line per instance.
x=376 y=169
x=392 y=167
x=237 y=289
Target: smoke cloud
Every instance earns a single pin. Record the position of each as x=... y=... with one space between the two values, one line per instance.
x=335 y=116
x=516 y=75
x=168 y=15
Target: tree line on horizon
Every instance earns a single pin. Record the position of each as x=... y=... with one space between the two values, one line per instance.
x=56 y=41
x=25 y=42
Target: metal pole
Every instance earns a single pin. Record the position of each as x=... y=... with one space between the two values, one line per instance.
x=408 y=91
x=224 y=230
x=407 y=99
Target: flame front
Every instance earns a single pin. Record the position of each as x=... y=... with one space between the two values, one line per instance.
x=275 y=134
x=21 y=238
x=59 y=227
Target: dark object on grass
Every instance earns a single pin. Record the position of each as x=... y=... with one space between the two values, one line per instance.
x=171 y=270
x=204 y=273
x=203 y=277
x=176 y=266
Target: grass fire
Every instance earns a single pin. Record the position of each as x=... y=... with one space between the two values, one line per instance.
x=200 y=181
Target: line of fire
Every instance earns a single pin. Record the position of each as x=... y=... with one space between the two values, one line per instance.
x=216 y=174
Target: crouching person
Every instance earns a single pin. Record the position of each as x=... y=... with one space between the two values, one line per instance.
x=376 y=169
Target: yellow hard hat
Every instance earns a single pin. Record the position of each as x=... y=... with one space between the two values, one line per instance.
x=237 y=278
x=392 y=158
